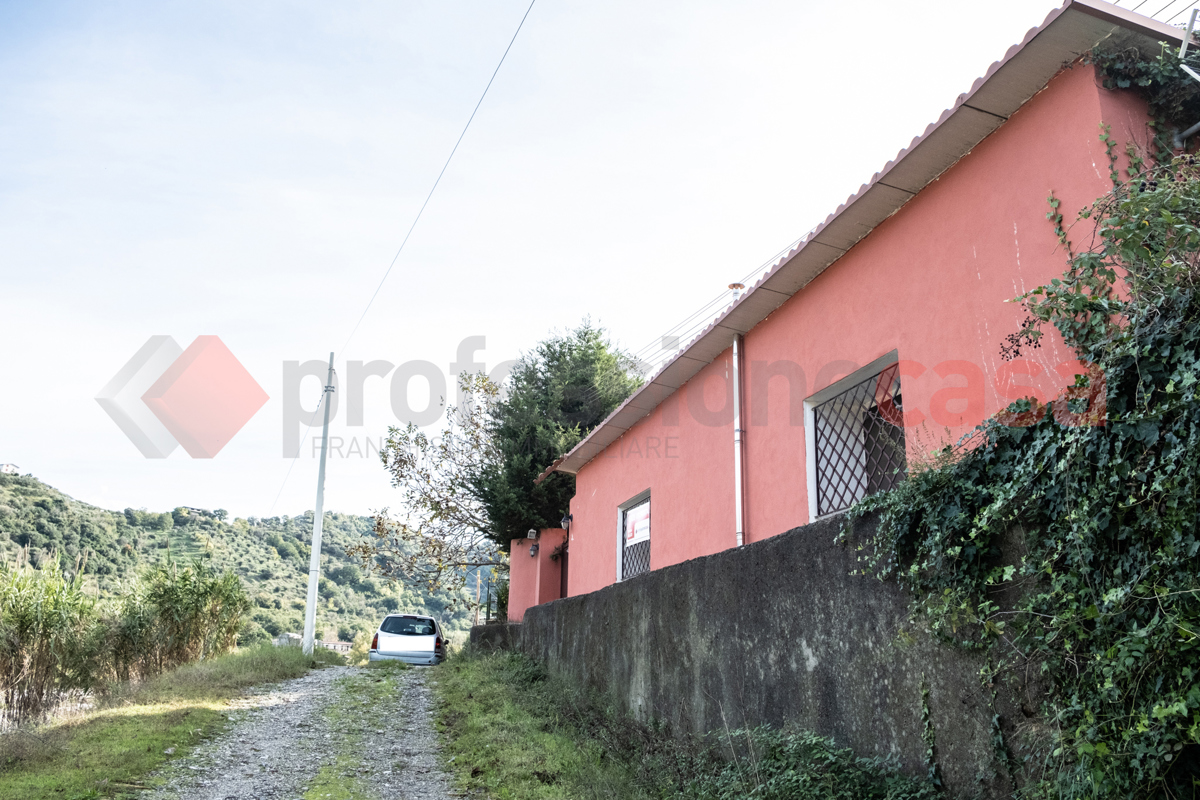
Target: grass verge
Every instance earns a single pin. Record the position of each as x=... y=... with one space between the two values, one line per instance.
x=518 y=733
x=135 y=728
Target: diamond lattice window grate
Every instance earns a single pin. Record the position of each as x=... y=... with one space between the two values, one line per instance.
x=859 y=442
x=636 y=559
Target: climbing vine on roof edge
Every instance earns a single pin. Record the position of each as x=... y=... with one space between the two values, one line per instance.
x=1066 y=542
x=1172 y=96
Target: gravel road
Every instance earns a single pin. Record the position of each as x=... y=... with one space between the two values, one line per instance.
x=281 y=737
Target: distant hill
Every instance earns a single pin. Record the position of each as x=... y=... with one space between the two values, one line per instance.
x=270 y=555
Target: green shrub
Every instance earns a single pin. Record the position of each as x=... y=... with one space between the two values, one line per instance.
x=1073 y=547
x=49 y=636
x=797 y=765
x=252 y=634
x=54 y=638
x=175 y=616
x=268 y=623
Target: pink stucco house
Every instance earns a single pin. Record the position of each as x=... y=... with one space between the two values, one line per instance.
x=873 y=340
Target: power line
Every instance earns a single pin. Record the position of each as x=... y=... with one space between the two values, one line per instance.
x=1161 y=10
x=649 y=348
x=685 y=331
x=298 y=451
x=1189 y=8
x=433 y=188
x=408 y=235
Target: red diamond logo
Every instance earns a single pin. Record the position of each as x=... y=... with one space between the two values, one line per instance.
x=205 y=397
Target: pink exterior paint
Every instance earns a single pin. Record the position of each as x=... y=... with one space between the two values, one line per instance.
x=534 y=579
x=932 y=283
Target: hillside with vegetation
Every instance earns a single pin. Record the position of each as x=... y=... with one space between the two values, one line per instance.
x=270 y=556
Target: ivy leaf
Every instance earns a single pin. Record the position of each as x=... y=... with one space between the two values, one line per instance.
x=1147 y=432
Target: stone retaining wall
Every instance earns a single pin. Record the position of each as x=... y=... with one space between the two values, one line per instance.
x=778 y=632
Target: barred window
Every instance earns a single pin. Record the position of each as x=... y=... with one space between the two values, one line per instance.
x=859 y=441
x=635 y=537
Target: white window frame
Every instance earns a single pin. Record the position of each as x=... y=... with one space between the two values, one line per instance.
x=810 y=422
x=636 y=500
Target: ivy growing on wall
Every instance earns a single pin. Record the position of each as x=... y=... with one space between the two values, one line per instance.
x=1067 y=541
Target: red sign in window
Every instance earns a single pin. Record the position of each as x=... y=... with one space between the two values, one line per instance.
x=637 y=523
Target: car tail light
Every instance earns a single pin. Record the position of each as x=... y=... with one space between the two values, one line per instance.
x=375 y=642
x=437 y=643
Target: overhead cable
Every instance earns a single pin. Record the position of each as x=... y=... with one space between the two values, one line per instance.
x=412 y=227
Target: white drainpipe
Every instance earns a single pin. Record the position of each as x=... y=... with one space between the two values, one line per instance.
x=739 y=514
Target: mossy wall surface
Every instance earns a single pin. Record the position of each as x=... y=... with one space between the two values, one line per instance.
x=779 y=632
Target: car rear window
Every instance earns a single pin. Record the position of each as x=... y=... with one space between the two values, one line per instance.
x=407 y=626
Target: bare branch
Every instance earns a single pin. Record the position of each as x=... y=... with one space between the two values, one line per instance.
x=440 y=538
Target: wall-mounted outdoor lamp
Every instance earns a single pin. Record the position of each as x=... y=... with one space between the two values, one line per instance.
x=566 y=522
x=533 y=550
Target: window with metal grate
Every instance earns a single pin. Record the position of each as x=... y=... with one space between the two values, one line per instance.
x=636 y=559
x=859 y=440
x=635 y=539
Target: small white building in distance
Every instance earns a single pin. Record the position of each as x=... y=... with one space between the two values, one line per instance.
x=10 y=469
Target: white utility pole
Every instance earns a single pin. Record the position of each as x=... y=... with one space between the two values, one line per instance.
x=314 y=561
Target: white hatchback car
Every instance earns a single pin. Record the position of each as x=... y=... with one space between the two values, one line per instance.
x=410 y=638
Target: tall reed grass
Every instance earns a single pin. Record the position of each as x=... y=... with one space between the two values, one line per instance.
x=55 y=638
x=48 y=636
x=172 y=617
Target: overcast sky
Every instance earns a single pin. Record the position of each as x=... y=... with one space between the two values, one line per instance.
x=249 y=170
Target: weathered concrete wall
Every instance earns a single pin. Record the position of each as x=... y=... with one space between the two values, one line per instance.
x=777 y=632
x=496 y=636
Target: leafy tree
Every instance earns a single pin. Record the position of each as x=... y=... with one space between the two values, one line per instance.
x=558 y=393
x=466 y=492
x=442 y=536
x=360 y=653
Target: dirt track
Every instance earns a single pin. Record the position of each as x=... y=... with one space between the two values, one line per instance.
x=306 y=737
